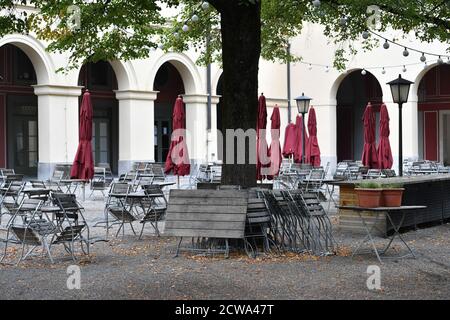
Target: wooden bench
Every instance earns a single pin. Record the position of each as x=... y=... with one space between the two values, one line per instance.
x=206 y=214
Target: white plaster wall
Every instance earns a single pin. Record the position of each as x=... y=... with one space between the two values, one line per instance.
x=58 y=114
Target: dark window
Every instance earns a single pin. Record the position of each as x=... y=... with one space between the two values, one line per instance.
x=23 y=68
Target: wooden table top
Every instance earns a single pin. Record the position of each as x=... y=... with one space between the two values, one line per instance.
x=405 y=180
x=358 y=208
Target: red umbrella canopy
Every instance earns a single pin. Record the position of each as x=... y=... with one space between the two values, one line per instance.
x=289 y=140
x=299 y=131
x=369 y=156
x=275 y=148
x=384 y=147
x=178 y=158
x=262 y=159
x=83 y=165
x=312 y=149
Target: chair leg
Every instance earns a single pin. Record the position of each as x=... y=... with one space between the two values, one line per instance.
x=131 y=225
x=47 y=248
x=178 y=247
x=142 y=230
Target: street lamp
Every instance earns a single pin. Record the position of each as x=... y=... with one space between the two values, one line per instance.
x=400 y=91
x=303 y=107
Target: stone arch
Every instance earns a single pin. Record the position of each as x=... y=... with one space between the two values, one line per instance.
x=186 y=68
x=35 y=51
x=124 y=72
x=215 y=82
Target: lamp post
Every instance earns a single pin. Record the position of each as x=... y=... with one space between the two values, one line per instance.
x=303 y=107
x=400 y=92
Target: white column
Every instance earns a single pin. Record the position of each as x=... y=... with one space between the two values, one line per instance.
x=136 y=127
x=327 y=133
x=57 y=125
x=196 y=126
x=213 y=134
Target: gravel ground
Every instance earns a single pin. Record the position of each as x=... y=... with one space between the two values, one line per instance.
x=128 y=268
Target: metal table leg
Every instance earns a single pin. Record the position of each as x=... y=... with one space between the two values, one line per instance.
x=369 y=235
x=397 y=234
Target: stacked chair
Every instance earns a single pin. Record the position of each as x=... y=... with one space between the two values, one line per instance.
x=299 y=223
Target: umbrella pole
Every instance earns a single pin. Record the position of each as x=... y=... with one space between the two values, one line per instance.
x=178 y=182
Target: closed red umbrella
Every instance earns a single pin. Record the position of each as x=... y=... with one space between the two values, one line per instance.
x=312 y=148
x=385 y=159
x=261 y=143
x=299 y=130
x=289 y=140
x=178 y=158
x=369 y=156
x=83 y=165
x=275 y=148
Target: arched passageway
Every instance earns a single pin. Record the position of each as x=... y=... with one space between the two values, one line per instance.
x=434 y=115
x=353 y=94
x=100 y=79
x=169 y=84
x=18 y=112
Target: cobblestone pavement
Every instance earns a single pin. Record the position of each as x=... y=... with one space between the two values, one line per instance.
x=128 y=268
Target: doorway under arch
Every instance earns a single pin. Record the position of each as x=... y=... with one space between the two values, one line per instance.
x=169 y=84
x=434 y=114
x=18 y=112
x=100 y=79
x=353 y=95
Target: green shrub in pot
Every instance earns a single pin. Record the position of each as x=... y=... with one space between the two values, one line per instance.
x=369 y=194
x=392 y=195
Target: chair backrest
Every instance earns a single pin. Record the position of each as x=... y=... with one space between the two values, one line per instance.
x=106 y=166
x=317 y=174
x=57 y=175
x=66 y=201
x=38 y=184
x=14 y=188
x=374 y=173
x=158 y=169
x=6 y=172
x=30 y=205
x=120 y=188
x=13 y=177
x=65 y=168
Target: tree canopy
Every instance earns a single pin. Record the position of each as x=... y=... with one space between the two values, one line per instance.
x=122 y=29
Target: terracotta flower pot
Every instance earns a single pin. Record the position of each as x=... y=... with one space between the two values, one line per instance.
x=392 y=197
x=369 y=198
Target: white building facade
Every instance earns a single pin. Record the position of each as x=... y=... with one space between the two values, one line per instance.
x=39 y=107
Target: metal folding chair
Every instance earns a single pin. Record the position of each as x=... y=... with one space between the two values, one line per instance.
x=154 y=207
x=30 y=229
x=120 y=207
x=71 y=224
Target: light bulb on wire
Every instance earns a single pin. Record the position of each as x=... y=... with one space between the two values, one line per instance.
x=386 y=45
x=405 y=52
x=404 y=69
x=316 y=3
x=194 y=18
x=423 y=58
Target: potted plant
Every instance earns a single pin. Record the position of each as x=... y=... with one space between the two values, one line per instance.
x=369 y=194
x=392 y=195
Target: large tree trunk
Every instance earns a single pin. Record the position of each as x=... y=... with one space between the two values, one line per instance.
x=241 y=50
